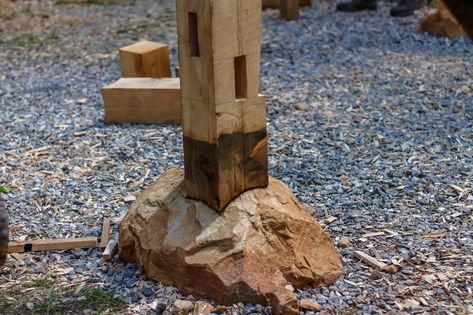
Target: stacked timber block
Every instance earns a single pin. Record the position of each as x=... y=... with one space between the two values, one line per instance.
x=146 y=93
x=145 y=59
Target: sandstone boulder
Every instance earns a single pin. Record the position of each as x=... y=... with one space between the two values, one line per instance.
x=263 y=241
x=440 y=21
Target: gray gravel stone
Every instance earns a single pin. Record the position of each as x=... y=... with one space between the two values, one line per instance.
x=370 y=124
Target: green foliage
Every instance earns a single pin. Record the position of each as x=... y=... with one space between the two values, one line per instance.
x=4 y=189
x=98 y=300
x=45 y=283
x=27 y=41
x=3 y=302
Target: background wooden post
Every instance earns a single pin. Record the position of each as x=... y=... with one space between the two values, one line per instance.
x=289 y=9
x=223 y=115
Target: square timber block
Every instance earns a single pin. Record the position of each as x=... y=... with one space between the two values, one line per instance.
x=146 y=60
x=143 y=101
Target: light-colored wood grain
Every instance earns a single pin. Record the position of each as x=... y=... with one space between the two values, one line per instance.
x=223 y=115
x=52 y=244
x=110 y=250
x=143 y=101
x=145 y=59
x=105 y=236
x=370 y=261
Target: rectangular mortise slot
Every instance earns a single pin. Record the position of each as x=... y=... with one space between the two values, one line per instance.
x=193 y=35
x=241 y=85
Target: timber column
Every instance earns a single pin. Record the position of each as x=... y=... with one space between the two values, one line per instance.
x=223 y=115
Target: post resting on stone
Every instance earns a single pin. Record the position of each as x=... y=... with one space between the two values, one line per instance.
x=221 y=229
x=223 y=114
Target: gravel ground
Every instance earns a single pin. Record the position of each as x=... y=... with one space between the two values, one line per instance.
x=371 y=125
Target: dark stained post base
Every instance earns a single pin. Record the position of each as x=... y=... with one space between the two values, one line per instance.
x=237 y=163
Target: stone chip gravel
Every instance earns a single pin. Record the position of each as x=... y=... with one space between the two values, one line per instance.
x=371 y=125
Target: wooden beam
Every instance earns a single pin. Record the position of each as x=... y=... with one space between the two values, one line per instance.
x=110 y=250
x=143 y=101
x=224 y=117
x=52 y=244
x=145 y=59
x=374 y=263
x=105 y=236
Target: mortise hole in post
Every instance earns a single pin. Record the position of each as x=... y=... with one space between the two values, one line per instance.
x=193 y=35
x=28 y=248
x=241 y=85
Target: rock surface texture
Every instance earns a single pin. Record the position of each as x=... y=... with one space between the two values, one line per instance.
x=263 y=241
x=440 y=21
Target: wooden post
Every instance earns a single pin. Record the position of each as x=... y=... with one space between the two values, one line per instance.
x=223 y=115
x=289 y=9
x=145 y=59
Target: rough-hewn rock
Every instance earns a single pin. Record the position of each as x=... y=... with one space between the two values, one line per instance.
x=263 y=241
x=309 y=305
x=440 y=21
x=3 y=232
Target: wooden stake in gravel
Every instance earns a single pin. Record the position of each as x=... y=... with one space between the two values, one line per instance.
x=374 y=263
x=110 y=250
x=52 y=244
x=105 y=237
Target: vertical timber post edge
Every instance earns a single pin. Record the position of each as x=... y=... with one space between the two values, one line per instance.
x=223 y=114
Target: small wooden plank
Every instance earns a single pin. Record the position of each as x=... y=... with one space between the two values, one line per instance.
x=374 y=263
x=145 y=59
x=143 y=101
x=110 y=250
x=105 y=237
x=52 y=244
x=373 y=234
x=369 y=260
